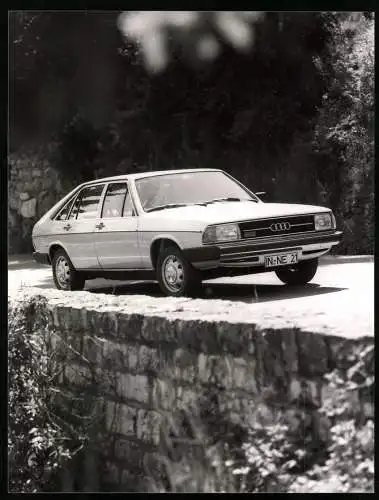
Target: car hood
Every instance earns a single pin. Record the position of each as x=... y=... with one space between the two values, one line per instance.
x=234 y=211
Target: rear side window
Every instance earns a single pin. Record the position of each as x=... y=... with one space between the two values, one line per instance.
x=87 y=203
x=117 y=201
x=114 y=200
x=62 y=215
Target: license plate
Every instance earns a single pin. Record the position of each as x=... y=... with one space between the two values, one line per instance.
x=280 y=260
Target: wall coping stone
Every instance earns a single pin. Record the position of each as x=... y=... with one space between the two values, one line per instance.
x=186 y=309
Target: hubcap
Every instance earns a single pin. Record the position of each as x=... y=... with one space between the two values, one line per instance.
x=173 y=273
x=62 y=271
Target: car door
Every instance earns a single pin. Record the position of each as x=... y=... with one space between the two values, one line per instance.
x=80 y=226
x=116 y=237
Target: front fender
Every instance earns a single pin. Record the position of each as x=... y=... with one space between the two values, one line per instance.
x=168 y=236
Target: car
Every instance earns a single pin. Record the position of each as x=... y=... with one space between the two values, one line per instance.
x=179 y=227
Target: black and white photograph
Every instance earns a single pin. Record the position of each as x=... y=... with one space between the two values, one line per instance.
x=191 y=219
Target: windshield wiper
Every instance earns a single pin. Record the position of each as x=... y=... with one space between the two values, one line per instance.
x=171 y=205
x=229 y=199
x=168 y=205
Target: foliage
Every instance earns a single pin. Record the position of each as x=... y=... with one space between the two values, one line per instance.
x=46 y=428
x=350 y=463
x=198 y=32
x=37 y=444
x=344 y=133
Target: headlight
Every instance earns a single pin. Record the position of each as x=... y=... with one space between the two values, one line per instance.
x=324 y=222
x=223 y=232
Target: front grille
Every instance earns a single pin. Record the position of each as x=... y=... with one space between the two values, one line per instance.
x=277 y=226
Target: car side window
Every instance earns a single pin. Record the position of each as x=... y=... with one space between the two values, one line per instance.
x=63 y=213
x=114 y=200
x=86 y=204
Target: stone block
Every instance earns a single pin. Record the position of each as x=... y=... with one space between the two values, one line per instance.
x=106 y=381
x=24 y=196
x=130 y=482
x=163 y=394
x=185 y=365
x=230 y=402
x=186 y=398
x=129 y=452
x=149 y=425
x=368 y=409
x=244 y=374
x=28 y=208
x=120 y=419
x=14 y=203
x=62 y=318
x=270 y=370
x=235 y=338
x=306 y=393
x=187 y=334
x=149 y=359
x=215 y=370
x=312 y=354
x=93 y=349
x=110 y=474
x=78 y=375
x=133 y=387
x=157 y=329
x=130 y=326
x=103 y=323
x=120 y=357
x=76 y=319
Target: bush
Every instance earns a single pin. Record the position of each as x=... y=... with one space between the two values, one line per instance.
x=38 y=443
x=350 y=463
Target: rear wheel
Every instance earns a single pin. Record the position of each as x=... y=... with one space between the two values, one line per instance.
x=300 y=274
x=176 y=277
x=65 y=276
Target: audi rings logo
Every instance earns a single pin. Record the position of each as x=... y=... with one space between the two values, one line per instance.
x=280 y=226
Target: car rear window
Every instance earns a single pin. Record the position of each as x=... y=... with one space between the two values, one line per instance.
x=87 y=203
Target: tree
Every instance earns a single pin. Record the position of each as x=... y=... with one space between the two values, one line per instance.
x=344 y=134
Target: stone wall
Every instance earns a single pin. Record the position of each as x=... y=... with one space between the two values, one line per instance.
x=139 y=364
x=34 y=186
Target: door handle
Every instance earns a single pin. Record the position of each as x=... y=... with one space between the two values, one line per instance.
x=67 y=228
x=100 y=225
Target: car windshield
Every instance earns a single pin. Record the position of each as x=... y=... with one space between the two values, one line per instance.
x=189 y=188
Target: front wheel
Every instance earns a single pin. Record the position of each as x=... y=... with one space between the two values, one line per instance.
x=65 y=276
x=299 y=274
x=176 y=277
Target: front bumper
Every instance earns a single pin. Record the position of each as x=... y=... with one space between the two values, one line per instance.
x=41 y=258
x=249 y=253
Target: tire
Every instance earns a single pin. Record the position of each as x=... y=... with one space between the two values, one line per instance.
x=300 y=274
x=176 y=277
x=65 y=276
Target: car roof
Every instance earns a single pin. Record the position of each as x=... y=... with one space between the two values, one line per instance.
x=141 y=175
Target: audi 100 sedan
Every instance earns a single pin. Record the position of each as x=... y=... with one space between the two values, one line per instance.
x=179 y=227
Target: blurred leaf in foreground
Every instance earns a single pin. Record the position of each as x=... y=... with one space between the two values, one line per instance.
x=200 y=33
